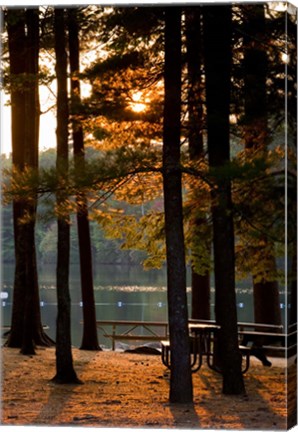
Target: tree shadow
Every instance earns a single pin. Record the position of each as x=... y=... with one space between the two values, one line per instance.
x=246 y=409
x=61 y=394
x=292 y=395
x=58 y=399
x=185 y=415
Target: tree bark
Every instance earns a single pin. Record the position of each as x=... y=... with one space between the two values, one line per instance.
x=292 y=285
x=26 y=327
x=65 y=372
x=200 y=283
x=16 y=45
x=217 y=50
x=266 y=293
x=31 y=160
x=181 y=382
x=89 y=340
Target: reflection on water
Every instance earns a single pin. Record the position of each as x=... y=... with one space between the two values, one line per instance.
x=121 y=293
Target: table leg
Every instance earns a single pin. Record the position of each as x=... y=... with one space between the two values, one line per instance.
x=165 y=351
x=197 y=353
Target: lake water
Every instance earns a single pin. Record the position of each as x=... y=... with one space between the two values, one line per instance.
x=121 y=293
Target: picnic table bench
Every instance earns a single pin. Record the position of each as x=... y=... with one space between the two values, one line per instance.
x=266 y=339
x=260 y=334
x=273 y=340
x=133 y=330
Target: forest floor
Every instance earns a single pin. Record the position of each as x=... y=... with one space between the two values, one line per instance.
x=132 y=390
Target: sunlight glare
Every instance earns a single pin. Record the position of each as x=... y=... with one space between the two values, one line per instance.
x=233 y=119
x=279 y=6
x=285 y=58
x=137 y=105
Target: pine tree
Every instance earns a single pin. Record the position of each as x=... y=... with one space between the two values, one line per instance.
x=200 y=285
x=256 y=138
x=65 y=372
x=89 y=341
x=181 y=381
x=217 y=51
x=26 y=327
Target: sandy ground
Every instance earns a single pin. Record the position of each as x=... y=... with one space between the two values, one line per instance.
x=131 y=390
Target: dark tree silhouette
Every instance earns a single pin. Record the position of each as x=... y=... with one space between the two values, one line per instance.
x=26 y=327
x=65 y=372
x=90 y=340
x=256 y=134
x=217 y=51
x=200 y=283
x=181 y=381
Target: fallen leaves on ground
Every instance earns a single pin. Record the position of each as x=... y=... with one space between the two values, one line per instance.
x=132 y=390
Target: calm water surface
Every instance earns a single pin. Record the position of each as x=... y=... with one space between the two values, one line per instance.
x=121 y=293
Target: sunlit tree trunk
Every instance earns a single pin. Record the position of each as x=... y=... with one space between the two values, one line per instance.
x=217 y=50
x=200 y=283
x=266 y=294
x=181 y=381
x=65 y=372
x=90 y=340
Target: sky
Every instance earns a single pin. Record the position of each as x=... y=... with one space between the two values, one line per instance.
x=47 y=135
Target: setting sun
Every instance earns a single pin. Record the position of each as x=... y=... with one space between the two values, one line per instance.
x=137 y=104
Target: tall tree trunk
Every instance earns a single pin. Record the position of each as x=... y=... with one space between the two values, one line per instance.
x=31 y=160
x=90 y=340
x=16 y=45
x=217 y=45
x=266 y=294
x=26 y=327
x=292 y=287
x=200 y=283
x=181 y=380
x=291 y=230
x=65 y=372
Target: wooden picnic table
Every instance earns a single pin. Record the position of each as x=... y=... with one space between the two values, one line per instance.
x=200 y=345
x=203 y=339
